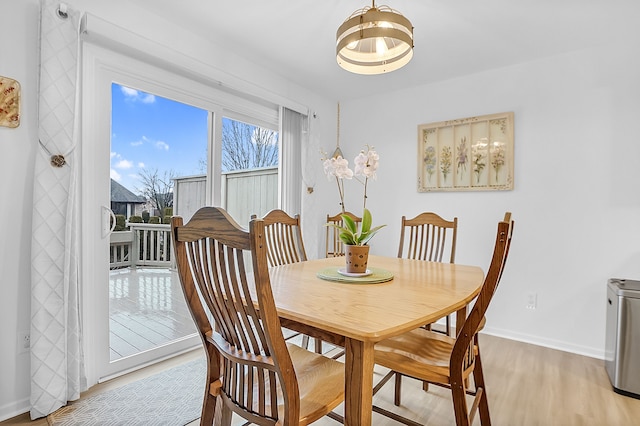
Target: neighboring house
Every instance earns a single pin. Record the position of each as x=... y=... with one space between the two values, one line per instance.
x=125 y=202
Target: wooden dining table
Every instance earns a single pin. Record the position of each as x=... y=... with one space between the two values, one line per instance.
x=356 y=315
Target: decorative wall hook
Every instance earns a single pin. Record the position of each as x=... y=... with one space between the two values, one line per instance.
x=62 y=11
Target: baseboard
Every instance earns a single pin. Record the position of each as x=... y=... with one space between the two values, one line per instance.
x=547 y=343
x=13 y=409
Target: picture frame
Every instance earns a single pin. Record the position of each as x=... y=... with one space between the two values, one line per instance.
x=9 y=102
x=467 y=154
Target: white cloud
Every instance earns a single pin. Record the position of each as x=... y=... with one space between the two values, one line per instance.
x=129 y=92
x=141 y=141
x=123 y=164
x=113 y=154
x=141 y=165
x=148 y=98
x=162 y=145
x=134 y=95
x=115 y=175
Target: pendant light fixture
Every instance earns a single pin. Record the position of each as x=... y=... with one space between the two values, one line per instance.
x=374 y=40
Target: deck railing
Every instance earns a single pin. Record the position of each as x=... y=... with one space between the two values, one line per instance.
x=244 y=192
x=143 y=244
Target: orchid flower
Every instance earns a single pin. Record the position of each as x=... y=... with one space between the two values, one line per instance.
x=338 y=167
x=366 y=165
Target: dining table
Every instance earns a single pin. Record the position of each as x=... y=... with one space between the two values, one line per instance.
x=320 y=299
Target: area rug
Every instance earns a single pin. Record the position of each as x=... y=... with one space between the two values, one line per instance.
x=171 y=398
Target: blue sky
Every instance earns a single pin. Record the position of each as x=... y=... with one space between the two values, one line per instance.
x=151 y=132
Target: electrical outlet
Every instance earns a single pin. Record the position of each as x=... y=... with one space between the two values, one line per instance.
x=24 y=342
x=532 y=300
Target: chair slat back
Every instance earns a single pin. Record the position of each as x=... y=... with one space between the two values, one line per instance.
x=463 y=354
x=284 y=238
x=334 y=245
x=244 y=344
x=428 y=237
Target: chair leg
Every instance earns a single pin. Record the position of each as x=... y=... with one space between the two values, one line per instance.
x=398 y=387
x=208 y=409
x=478 y=379
x=460 y=404
x=227 y=416
x=305 y=341
x=222 y=416
x=318 y=345
x=211 y=404
x=448 y=326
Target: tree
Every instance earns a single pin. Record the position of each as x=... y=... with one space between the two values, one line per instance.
x=247 y=147
x=158 y=189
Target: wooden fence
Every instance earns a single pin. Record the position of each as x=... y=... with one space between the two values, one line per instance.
x=243 y=193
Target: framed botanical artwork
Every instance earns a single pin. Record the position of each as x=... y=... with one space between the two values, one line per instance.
x=468 y=154
x=9 y=102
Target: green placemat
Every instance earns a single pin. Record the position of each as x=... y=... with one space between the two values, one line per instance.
x=378 y=275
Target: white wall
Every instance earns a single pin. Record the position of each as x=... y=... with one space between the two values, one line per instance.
x=19 y=60
x=576 y=201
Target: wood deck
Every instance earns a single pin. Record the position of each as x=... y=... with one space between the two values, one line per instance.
x=146 y=309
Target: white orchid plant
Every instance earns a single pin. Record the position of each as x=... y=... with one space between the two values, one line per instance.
x=366 y=165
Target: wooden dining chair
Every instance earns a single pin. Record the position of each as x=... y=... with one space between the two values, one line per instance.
x=283 y=237
x=251 y=370
x=284 y=246
x=334 y=245
x=429 y=237
x=449 y=361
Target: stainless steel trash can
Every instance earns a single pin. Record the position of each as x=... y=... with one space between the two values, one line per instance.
x=622 y=346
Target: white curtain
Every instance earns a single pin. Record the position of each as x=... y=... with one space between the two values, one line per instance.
x=293 y=126
x=57 y=367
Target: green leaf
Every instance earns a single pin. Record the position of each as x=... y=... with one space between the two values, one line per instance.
x=350 y=224
x=334 y=225
x=366 y=221
x=347 y=238
x=371 y=234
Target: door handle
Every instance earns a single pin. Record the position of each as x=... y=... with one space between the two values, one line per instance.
x=108 y=221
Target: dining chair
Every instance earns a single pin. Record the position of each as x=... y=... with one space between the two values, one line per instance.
x=251 y=370
x=449 y=361
x=334 y=245
x=283 y=237
x=429 y=237
x=284 y=246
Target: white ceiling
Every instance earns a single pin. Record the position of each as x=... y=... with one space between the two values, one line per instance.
x=296 y=38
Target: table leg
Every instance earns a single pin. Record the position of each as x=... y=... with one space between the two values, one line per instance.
x=358 y=383
x=461 y=316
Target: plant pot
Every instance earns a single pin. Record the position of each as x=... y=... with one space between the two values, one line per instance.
x=356 y=258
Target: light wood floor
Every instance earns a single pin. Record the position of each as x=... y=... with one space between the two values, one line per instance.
x=526 y=385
